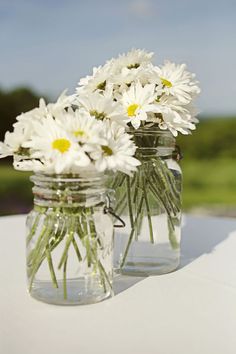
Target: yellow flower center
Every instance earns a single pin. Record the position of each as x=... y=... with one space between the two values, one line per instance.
x=166 y=82
x=131 y=110
x=79 y=133
x=107 y=151
x=61 y=145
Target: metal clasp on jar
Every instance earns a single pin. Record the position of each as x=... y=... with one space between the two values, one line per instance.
x=109 y=210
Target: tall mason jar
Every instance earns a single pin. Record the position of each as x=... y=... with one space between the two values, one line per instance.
x=150 y=204
x=69 y=240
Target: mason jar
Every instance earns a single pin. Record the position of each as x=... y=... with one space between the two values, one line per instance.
x=150 y=204
x=69 y=240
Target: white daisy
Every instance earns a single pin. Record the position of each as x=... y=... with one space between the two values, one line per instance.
x=172 y=116
x=13 y=142
x=137 y=101
x=39 y=113
x=126 y=77
x=102 y=107
x=24 y=127
x=28 y=164
x=64 y=101
x=26 y=119
x=178 y=82
x=5 y=150
x=117 y=153
x=55 y=147
x=132 y=60
x=85 y=128
x=97 y=81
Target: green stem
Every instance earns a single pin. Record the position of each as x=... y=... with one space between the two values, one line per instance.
x=166 y=178
x=136 y=188
x=132 y=233
x=139 y=224
x=161 y=201
x=102 y=270
x=53 y=245
x=103 y=282
x=76 y=250
x=138 y=193
x=172 y=237
x=51 y=268
x=86 y=237
x=105 y=274
x=33 y=229
x=65 y=278
x=34 y=252
x=129 y=202
x=70 y=237
x=92 y=227
x=118 y=181
x=39 y=248
x=145 y=185
x=88 y=251
x=121 y=205
x=164 y=194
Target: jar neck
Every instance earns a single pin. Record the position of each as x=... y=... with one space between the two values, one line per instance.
x=69 y=191
x=153 y=142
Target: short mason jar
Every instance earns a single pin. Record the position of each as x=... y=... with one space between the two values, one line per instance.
x=150 y=204
x=69 y=240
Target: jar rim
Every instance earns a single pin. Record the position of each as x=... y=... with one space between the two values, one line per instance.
x=69 y=177
x=151 y=129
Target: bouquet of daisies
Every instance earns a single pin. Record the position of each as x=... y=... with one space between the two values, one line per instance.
x=149 y=101
x=132 y=91
x=67 y=147
x=59 y=138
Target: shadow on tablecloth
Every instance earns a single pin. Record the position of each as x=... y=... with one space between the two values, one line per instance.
x=201 y=235
x=124 y=282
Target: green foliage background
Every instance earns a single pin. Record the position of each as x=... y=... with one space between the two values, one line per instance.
x=209 y=164
x=12 y=103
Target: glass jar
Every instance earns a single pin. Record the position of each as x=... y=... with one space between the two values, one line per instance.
x=69 y=240
x=150 y=204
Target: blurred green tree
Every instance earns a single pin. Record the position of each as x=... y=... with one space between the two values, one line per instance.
x=12 y=103
x=214 y=138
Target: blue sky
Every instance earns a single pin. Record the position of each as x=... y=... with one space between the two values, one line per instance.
x=49 y=45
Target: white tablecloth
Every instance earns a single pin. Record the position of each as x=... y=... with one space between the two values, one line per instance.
x=189 y=311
